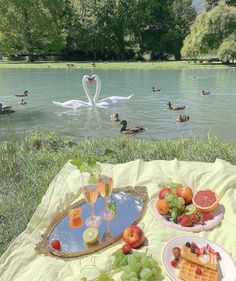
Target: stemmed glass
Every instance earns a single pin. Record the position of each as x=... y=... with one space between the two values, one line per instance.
x=90 y=192
x=104 y=185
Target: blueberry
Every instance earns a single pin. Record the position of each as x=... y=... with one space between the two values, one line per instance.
x=188 y=244
x=192 y=249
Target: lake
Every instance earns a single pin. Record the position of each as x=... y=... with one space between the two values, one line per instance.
x=214 y=114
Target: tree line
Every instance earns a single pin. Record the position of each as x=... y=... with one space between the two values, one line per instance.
x=101 y=29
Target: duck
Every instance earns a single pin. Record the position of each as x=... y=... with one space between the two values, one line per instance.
x=182 y=118
x=115 y=117
x=182 y=107
x=6 y=109
x=205 y=93
x=130 y=131
x=25 y=94
x=155 y=89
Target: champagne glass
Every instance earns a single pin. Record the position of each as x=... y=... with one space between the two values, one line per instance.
x=104 y=185
x=90 y=193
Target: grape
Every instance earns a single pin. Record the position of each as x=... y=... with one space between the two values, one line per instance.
x=134 y=279
x=135 y=267
x=146 y=273
x=169 y=197
x=181 y=200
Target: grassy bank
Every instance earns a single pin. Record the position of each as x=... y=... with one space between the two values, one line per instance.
x=29 y=164
x=111 y=65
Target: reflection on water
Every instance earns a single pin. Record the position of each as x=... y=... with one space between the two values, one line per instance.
x=214 y=113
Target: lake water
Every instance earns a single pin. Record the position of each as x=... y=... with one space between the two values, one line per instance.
x=214 y=114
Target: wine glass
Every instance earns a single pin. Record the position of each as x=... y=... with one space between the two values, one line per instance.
x=104 y=185
x=90 y=193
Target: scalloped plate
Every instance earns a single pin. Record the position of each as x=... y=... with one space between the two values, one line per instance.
x=226 y=266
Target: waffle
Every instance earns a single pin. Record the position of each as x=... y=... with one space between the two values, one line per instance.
x=187 y=272
x=207 y=260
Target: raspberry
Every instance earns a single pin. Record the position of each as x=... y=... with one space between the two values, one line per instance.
x=198 y=271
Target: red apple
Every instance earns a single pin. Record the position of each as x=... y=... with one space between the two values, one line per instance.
x=186 y=193
x=126 y=249
x=56 y=244
x=134 y=236
x=164 y=192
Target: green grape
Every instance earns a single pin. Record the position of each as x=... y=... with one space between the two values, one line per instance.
x=134 y=279
x=145 y=261
x=174 y=214
x=131 y=259
x=181 y=200
x=146 y=273
x=137 y=256
x=117 y=261
x=125 y=276
x=123 y=262
x=169 y=197
x=135 y=267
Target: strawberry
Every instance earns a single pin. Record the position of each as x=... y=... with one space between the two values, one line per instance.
x=56 y=244
x=206 y=217
x=194 y=219
x=126 y=249
x=174 y=263
x=198 y=271
x=186 y=221
x=176 y=252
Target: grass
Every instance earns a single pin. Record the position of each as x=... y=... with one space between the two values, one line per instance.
x=111 y=65
x=28 y=164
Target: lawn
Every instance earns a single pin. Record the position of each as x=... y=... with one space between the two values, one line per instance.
x=29 y=163
x=111 y=65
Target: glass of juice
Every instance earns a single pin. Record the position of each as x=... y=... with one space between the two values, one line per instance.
x=104 y=185
x=90 y=192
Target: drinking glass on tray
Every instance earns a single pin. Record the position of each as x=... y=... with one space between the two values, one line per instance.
x=90 y=192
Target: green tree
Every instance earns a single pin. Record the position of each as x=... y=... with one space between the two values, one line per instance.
x=183 y=15
x=209 y=31
x=210 y=4
x=28 y=28
x=227 y=50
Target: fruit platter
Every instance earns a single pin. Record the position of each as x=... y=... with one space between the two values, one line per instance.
x=179 y=207
x=191 y=258
x=68 y=235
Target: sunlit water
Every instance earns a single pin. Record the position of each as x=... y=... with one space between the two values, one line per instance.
x=214 y=114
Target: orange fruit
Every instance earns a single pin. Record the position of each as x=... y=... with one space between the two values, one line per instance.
x=205 y=200
x=162 y=207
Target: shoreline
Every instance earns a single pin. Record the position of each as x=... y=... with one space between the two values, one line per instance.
x=112 y=65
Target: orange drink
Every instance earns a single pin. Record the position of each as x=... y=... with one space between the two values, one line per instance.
x=104 y=185
x=75 y=217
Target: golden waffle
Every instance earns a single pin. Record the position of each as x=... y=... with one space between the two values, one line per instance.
x=187 y=272
x=207 y=260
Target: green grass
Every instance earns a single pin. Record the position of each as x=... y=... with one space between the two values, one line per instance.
x=28 y=165
x=111 y=65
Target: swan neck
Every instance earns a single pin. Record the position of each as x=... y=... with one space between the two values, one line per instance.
x=86 y=90
x=98 y=89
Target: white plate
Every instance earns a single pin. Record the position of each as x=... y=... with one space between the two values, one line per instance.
x=218 y=215
x=227 y=267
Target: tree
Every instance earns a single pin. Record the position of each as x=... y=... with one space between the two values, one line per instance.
x=209 y=31
x=210 y=4
x=28 y=28
x=227 y=50
x=183 y=15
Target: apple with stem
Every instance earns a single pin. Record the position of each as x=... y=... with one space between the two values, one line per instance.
x=134 y=236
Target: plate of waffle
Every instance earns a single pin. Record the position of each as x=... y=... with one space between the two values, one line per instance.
x=190 y=258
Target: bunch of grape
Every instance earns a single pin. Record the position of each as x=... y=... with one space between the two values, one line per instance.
x=137 y=266
x=176 y=205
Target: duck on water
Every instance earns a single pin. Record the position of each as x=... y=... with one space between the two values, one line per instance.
x=130 y=131
x=181 y=107
x=25 y=94
x=6 y=109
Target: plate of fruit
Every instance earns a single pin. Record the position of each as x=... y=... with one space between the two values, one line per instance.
x=177 y=206
x=191 y=258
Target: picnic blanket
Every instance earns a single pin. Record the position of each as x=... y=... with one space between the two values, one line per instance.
x=22 y=262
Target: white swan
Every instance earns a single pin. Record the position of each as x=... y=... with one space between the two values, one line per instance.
x=78 y=103
x=74 y=104
x=113 y=100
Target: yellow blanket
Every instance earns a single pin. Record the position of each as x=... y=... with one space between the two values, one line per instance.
x=21 y=262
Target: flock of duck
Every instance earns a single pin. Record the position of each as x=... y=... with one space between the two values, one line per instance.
x=180 y=118
x=8 y=109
